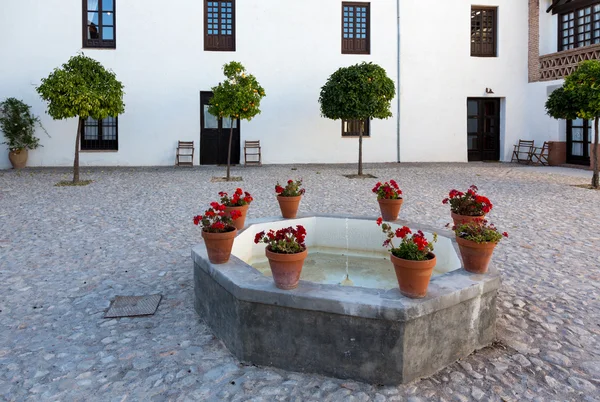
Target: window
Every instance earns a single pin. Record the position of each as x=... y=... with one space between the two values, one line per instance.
x=99 y=24
x=219 y=25
x=356 y=27
x=579 y=27
x=483 y=31
x=100 y=135
x=351 y=128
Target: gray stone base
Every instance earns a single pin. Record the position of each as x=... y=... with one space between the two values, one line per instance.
x=373 y=335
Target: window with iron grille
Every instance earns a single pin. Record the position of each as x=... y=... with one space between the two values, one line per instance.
x=219 y=25
x=483 y=31
x=356 y=27
x=99 y=24
x=351 y=128
x=579 y=27
x=100 y=135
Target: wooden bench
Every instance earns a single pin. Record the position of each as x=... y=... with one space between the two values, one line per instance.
x=252 y=150
x=522 y=152
x=185 y=150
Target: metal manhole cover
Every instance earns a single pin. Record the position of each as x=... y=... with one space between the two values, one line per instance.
x=131 y=306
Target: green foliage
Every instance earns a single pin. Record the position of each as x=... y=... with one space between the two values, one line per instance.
x=479 y=232
x=18 y=125
x=238 y=96
x=579 y=97
x=359 y=92
x=563 y=104
x=291 y=189
x=82 y=88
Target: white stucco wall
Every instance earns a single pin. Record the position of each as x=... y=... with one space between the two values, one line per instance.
x=291 y=47
x=438 y=75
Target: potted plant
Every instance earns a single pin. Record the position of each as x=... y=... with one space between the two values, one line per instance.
x=476 y=241
x=413 y=259
x=289 y=198
x=218 y=232
x=239 y=201
x=286 y=252
x=467 y=207
x=18 y=125
x=389 y=197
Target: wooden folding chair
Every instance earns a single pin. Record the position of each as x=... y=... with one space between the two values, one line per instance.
x=540 y=155
x=252 y=153
x=185 y=150
x=522 y=152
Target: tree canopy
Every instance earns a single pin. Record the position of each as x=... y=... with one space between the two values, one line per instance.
x=238 y=96
x=579 y=97
x=359 y=92
x=82 y=88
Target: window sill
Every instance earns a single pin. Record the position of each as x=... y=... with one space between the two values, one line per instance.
x=92 y=151
x=355 y=136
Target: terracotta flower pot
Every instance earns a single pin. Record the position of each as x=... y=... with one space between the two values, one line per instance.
x=390 y=208
x=289 y=206
x=286 y=268
x=458 y=219
x=18 y=158
x=218 y=245
x=413 y=276
x=476 y=256
x=241 y=221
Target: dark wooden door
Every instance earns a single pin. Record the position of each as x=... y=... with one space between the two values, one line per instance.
x=214 y=136
x=483 y=129
x=579 y=138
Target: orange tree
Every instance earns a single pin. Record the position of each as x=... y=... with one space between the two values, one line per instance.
x=82 y=88
x=359 y=92
x=579 y=97
x=237 y=97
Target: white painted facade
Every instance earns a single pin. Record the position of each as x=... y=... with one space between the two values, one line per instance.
x=541 y=126
x=292 y=48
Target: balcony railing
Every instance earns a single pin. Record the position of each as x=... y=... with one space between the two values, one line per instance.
x=556 y=66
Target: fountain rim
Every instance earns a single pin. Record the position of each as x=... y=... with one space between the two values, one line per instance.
x=247 y=284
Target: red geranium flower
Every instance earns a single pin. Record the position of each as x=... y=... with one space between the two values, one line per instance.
x=387 y=191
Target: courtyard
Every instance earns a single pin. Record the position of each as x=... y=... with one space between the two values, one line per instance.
x=65 y=252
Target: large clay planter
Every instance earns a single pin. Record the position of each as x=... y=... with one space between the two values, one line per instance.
x=241 y=221
x=286 y=268
x=476 y=256
x=218 y=245
x=18 y=158
x=289 y=206
x=459 y=219
x=413 y=276
x=390 y=209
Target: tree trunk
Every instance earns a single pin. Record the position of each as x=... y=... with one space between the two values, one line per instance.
x=229 y=150
x=360 y=138
x=76 y=161
x=595 y=183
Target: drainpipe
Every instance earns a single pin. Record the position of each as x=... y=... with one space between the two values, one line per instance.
x=398 y=83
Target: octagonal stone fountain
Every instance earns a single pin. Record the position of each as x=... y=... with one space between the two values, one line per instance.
x=347 y=318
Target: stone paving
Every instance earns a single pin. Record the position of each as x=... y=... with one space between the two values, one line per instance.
x=65 y=252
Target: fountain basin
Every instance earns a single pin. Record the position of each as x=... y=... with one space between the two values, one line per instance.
x=370 y=332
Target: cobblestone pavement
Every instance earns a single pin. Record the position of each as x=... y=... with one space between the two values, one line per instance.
x=66 y=252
